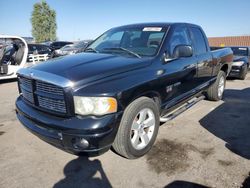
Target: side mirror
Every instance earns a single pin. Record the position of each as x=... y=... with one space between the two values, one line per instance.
x=182 y=51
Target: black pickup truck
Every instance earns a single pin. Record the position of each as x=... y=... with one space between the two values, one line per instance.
x=117 y=92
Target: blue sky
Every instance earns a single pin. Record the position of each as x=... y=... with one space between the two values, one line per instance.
x=82 y=19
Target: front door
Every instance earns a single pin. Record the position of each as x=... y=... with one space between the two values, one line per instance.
x=179 y=78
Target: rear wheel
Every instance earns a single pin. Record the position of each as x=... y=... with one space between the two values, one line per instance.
x=243 y=73
x=216 y=90
x=138 y=128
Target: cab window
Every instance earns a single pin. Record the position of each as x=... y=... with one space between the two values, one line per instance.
x=180 y=36
x=198 y=41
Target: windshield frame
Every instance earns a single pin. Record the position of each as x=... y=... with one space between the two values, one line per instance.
x=165 y=29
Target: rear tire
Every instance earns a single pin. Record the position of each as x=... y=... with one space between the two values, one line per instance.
x=243 y=73
x=138 y=128
x=216 y=90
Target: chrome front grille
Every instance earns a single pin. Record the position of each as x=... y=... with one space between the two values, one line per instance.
x=52 y=104
x=49 y=88
x=26 y=88
x=28 y=96
x=43 y=95
x=27 y=83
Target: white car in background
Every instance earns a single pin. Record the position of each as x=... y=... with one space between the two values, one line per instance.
x=14 y=55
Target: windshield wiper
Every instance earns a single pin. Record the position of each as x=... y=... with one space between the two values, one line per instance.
x=90 y=50
x=124 y=50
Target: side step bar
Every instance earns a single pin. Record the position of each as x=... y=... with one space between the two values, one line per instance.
x=171 y=115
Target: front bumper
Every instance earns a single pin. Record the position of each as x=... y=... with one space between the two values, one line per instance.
x=64 y=133
x=236 y=71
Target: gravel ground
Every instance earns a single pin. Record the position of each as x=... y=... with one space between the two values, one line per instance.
x=207 y=146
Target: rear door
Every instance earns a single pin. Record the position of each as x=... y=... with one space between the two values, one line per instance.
x=202 y=54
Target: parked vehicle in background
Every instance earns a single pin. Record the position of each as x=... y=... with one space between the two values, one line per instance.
x=65 y=50
x=70 y=49
x=38 y=49
x=85 y=43
x=13 y=56
x=57 y=45
x=117 y=92
x=47 y=43
x=241 y=61
x=29 y=39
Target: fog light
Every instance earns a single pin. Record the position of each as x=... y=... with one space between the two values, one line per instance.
x=80 y=143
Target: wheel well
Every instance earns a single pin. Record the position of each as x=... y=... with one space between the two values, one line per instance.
x=157 y=100
x=225 y=68
x=154 y=96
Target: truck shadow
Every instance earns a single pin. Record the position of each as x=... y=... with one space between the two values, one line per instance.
x=83 y=172
x=246 y=183
x=231 y=121
x=184 y=184
x=8 y=81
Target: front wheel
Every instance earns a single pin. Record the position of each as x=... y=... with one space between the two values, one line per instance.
x=216 y=90
x=138 y=129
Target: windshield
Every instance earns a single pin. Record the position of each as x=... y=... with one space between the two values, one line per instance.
x=137 y=42
x=240 y=51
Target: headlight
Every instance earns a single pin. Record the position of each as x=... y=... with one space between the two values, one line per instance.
x=95 y=105
x=238 y=63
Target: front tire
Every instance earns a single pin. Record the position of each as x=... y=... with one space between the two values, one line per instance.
x=138 y=128
x=216 y=90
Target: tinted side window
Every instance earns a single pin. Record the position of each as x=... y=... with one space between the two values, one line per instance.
x=60 y=44
x=198 y=41
x=39 y=48
x=30 y=47
x=45 y=48
x=55 y=44
x=180 y=36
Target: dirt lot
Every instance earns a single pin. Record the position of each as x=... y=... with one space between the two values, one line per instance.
x=207 y=146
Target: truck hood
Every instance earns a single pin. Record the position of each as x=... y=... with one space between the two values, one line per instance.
x=87 y=67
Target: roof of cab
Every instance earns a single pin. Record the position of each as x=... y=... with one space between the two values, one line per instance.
x=158 y=24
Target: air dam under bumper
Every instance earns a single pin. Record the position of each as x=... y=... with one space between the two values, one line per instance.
x=87 y=135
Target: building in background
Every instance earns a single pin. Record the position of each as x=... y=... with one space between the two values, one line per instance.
x=229 y=41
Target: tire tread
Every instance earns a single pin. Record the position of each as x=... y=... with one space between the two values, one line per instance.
x=120 y=143
x=212 y=92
